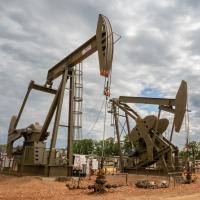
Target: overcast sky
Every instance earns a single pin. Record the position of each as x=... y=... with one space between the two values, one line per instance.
x=160 y=46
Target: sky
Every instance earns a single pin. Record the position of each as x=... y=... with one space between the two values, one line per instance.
x=159 y=47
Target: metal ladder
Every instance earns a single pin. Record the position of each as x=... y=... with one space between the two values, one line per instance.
x=78 y=100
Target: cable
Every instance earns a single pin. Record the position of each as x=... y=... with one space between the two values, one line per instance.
x=104 y=127
x=107 y=84
x=123 y=128
x=187 y=124
x=98 y=115
x=96 y=104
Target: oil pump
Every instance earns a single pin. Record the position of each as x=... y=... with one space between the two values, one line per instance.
x=151 y=145
x=34 y=156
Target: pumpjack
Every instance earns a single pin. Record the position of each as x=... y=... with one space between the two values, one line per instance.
x=34 y=157
x=147 y=135
x=150 y=145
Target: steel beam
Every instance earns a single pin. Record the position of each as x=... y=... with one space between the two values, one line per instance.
x=128 y=128
x=167 y=109
x=50 y=113
x=24 y=103
x=72 y=59
x=118 y=137
x=70 y=122
x=172 y=131
x=31 y=86
x=44 y=89
x=147 y=100
x=57 y=117
x=128 y=112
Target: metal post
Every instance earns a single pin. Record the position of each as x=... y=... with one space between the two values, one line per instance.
x=23 y=104
x=171 y=135
x=159 y=112
x=126 y=178
x=50 y=114
x=71 y=121
x=177 y=159
x=58 y=114
x=118 y=138
x=128 y=128
x=157 y=123
x=22 y=161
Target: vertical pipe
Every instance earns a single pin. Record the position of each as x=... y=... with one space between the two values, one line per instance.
x=118 y=137
x=171 y=135
x=23 y=104
x=176 y=159
x=57 y=117
x=157 y=122
x=50 y=113
x=128 y=128
x=104 y=129
x=71 y=121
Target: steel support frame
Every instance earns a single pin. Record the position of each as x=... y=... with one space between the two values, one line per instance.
x=72 y=59
x=31 y=86
x=50 y=113
x=71 y=121
x=58 y=115
x=118 y=136
x=147 y=100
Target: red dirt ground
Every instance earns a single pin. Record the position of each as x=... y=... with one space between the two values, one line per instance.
x=34 y=188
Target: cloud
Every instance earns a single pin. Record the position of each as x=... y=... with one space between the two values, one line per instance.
x=159 y=47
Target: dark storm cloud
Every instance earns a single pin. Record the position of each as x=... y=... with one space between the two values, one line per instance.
x=148 y=49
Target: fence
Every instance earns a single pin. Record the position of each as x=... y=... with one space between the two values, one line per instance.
x=9 y=165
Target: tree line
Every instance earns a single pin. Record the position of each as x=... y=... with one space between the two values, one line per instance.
x=108 y=146
x=193 y=150
x=111 y=148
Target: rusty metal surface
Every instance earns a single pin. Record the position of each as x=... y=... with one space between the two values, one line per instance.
x=102 y=41
x=147 y=135
x=147 y=100
x=39 y=134
x=180 y=105
x=176 y=106
x=72 y=59
x=104 y=36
